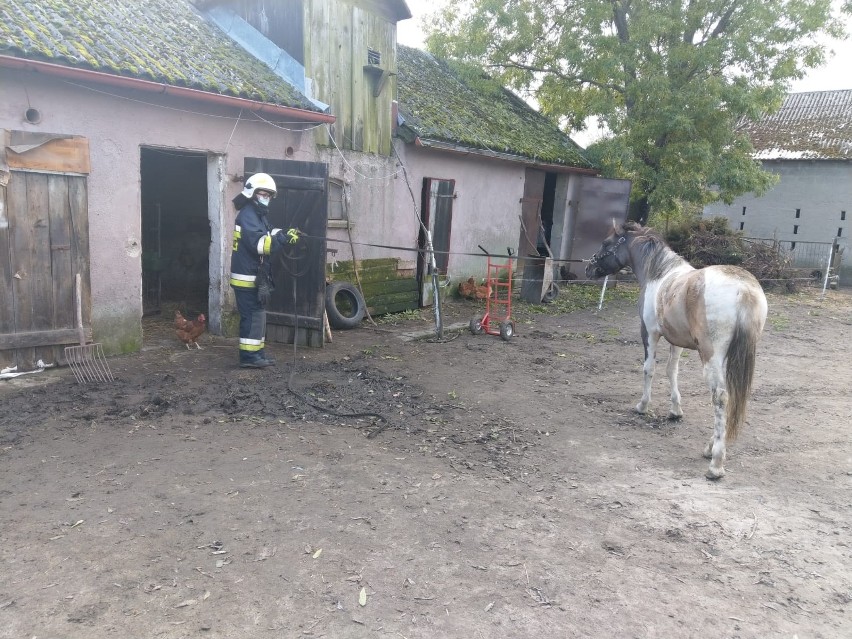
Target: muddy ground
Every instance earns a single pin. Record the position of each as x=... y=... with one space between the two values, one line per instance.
x=508 y=492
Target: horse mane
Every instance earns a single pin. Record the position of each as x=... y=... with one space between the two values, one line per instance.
x=657 y=256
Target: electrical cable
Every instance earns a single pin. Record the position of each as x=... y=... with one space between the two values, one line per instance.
x=305 y=399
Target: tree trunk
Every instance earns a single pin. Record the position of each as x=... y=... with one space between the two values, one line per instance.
x=639 y=210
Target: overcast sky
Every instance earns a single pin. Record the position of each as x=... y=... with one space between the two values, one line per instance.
x=837 y=74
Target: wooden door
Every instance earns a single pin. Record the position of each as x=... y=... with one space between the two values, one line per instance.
x=44 y=242
x=295 y=313
x=436 y=212
x=531 y=214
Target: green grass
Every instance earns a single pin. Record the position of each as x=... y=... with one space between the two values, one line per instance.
x=779 y=322
x=577 y=297
x=410 y=315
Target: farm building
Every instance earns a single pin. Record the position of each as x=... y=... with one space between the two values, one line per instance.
x=808 y=145
x=126 y=136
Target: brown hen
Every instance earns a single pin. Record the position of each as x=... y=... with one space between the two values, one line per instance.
x=191 y=331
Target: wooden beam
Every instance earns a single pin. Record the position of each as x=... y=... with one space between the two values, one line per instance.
x=33 y=339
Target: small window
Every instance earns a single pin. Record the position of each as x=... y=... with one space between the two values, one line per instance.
x=842 y=215
x=336 y=200
x=374 y=57
x=798 y=213
x=742 y=225
x=840 y=231
x=792 y=246
x=795 y=229
x=744 y=208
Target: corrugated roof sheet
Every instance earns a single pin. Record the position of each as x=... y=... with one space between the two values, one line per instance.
x=438 y=104
x=809 y=126
x=163 y=41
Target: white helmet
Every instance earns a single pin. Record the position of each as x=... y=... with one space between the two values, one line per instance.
x=260 y=181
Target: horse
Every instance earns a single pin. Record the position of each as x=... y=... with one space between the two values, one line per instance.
x=720 y=311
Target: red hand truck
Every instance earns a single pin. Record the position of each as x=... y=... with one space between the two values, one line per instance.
x=498 y=305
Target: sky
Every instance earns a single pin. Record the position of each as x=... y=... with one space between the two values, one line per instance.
x=836 y=74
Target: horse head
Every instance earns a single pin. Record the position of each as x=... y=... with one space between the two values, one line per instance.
x=612 y=256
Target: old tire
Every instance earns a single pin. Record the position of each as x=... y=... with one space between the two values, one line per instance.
x=476 y=325
x=551 y=293
x=344 y=305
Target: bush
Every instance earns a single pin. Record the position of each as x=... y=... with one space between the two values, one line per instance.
x=709 y=241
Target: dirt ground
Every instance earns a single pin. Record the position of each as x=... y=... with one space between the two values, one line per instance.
x=511 y=492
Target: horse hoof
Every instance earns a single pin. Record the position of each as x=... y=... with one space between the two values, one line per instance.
x=674 y=417
x=641 y=409
x=714 y=474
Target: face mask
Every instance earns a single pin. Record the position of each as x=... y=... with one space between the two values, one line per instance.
x=263 y=201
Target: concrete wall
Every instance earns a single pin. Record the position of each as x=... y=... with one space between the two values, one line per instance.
x=819 y=190
x=486 y=210
x=117 y=123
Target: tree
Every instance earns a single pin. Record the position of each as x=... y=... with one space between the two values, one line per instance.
x=671 y=79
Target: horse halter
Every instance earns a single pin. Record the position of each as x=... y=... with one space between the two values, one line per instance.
x=610 y=252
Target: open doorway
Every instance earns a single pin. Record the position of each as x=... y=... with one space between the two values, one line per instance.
x=175 y=231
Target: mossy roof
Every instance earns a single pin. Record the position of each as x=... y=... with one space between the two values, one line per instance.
x=439 y=103
x=165 y=41
x=816 y=125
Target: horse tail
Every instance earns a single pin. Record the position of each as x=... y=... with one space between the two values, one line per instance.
x=739 y=372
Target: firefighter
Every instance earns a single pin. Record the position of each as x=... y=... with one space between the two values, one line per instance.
x=251 y=275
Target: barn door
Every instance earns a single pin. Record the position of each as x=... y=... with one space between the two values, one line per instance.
x=531 y=214
x=601 y=200
x=436 y=212
x=44 y=242
x=295 y=313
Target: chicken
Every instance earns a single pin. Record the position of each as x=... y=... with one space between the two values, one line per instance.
x=191 y=331
x=180 y=321
x=471 y=290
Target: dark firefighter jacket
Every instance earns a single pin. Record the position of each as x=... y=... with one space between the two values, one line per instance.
x=253 y=238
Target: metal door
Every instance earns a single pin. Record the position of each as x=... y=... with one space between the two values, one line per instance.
x=601 y=200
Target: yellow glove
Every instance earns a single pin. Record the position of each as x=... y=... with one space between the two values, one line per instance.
x=293 y=235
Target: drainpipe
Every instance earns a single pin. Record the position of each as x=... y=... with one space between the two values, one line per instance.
x=84 y=75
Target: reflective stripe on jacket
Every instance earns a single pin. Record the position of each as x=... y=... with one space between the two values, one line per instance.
x=253 y=237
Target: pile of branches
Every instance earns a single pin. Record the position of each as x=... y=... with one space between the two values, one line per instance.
x=705 y=242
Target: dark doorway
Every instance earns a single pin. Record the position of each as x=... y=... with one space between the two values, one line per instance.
x=175 y=231
x=547 y=200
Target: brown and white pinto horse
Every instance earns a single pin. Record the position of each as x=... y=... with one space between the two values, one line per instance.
x=718 y=311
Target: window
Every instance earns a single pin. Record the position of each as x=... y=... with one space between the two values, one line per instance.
x=792 y=246
x=742 y=225
x=798 y=213
x=336 y=200
x=795 y=229
x=840 y=231
x=842 y=215
x=744 y=208
x=374 y=57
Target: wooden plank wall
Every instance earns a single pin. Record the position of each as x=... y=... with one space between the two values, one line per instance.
x=389 y=285
x=340 y=34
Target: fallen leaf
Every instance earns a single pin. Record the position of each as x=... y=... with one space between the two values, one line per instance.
x=362 y=597
x=317 y=553
x=188 y=602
